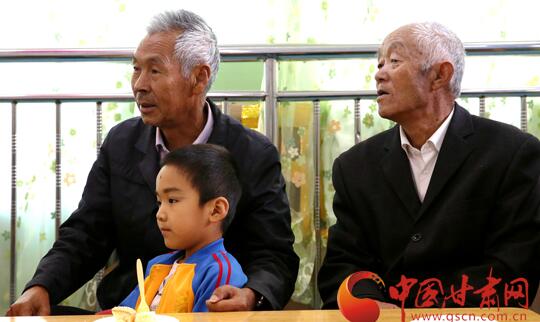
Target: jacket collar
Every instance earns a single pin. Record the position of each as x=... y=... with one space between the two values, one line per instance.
x=214 y=247
x=454 y=151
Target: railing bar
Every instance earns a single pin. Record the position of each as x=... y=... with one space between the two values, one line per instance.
x=260 y=52
x=225 y=107
x=357 y=121
x=58 y=170
x=13 y=231
x=237 y=95
x=259 y=95
x=317 y=194
x=271 y=100
x=99 y=126
x=524 y=116
x=121 y=97
x=482 y=107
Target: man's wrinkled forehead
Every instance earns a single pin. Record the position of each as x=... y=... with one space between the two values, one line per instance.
x=400 y=42
x=393 y=47
x=156 y=46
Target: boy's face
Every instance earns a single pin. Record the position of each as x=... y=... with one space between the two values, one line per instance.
x=181 y=220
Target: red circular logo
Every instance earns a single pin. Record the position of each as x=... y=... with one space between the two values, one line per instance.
x=355 y=309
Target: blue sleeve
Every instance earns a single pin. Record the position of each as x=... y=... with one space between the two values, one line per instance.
x=131 y=299
x=204 y=286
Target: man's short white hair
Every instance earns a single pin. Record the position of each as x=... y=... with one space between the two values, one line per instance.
x=438 y=43
x=197 y=43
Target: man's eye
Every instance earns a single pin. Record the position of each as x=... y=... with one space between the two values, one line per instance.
x=155 y=71
x=380 y=65
x=173 y=201
x=136 y=69
x=394 y=61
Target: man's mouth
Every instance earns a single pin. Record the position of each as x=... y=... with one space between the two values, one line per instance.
x=146 y=107
x=381 y=92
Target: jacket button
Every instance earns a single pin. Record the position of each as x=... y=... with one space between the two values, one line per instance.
x=416 y=237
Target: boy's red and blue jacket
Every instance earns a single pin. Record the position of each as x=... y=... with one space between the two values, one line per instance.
x=193 y=282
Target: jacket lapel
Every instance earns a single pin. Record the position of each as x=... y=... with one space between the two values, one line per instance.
x=397 y=172
x=219 y=132
x=149 y=165
x=454 y=151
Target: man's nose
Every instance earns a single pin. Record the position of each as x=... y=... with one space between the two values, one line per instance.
x=380 y=75
x=140 y=83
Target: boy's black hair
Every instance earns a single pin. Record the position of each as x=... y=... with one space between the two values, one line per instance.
x=211 y=171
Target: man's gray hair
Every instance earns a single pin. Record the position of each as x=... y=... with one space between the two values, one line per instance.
x=197 y=43
x=437 y=43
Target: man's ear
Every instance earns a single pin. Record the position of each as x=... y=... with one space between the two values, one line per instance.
x=200 y=76
x=220 y=209
x=442 y=73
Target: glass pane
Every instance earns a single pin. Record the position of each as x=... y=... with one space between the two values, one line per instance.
x=345 y=74
x=5 y=203
x=533 y=113
x=490 y=72
x=239 y=76
x=337 y=136
x=35 y=187
x=504 y=109
x=114 y=113
x=66 y=77
x=78 y=151
x=471 y=104
x=371 y=123
x=509 y=72
x=295 y=142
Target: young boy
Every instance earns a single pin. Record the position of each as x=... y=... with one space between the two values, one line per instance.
x=197 y=191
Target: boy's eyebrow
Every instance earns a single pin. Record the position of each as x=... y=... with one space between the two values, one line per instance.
x=170 y=189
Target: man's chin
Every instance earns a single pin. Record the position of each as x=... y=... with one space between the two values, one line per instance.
x=149 y=120
x=386 y=114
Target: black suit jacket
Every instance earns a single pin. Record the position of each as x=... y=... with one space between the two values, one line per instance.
x=118 y=207
x=481 y=211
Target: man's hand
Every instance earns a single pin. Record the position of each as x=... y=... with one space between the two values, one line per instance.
x=34 y=301
x=230 y=298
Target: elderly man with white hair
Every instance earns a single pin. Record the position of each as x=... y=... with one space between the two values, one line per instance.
x=173 y=68
x=445 y=205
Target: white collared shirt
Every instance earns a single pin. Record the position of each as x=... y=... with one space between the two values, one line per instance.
x=201 y=139
x=423 y=161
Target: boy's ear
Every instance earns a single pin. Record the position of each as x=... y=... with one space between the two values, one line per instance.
x=220 y=209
